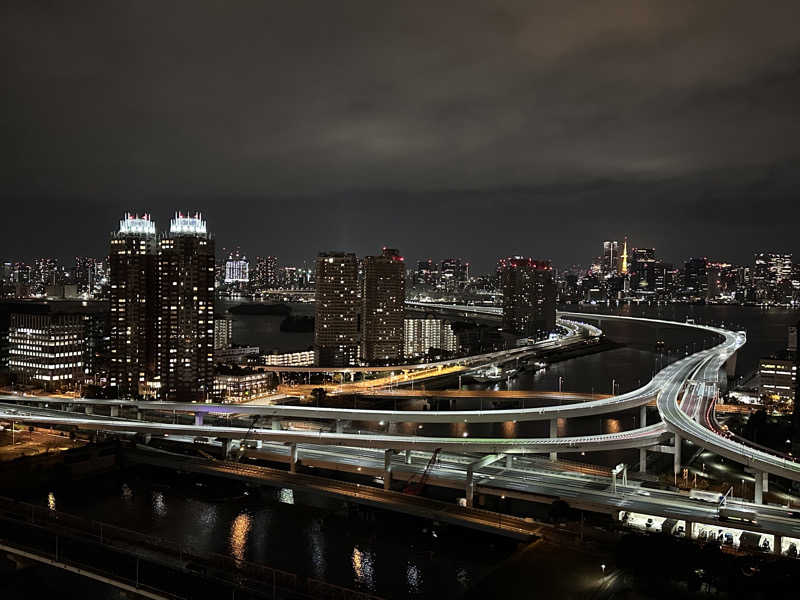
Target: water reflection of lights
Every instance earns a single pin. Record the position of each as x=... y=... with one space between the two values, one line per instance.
x=51 y=501
x=240 y=529
x=286 y=496
x=363 y=568
x=317 y=540
x=208 y=517
x=414 y=578
x=159 y=505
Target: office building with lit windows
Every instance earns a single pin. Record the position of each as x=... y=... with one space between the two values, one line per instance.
x=133 y=305
x=777 y=379
x=240 y=384
x=336 y=326
x=56 y=345
x=289 y=359
x=185 y=348
x=529 y=296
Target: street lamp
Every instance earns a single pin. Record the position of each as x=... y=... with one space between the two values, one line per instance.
x=560 y=381
x=603 y=568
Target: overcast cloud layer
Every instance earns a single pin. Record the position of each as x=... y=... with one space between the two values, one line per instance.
x=476 y=129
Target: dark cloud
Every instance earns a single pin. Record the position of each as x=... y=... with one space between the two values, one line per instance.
x=444 y=127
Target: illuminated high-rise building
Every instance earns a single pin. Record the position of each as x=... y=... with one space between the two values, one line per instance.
x=643 y=269
x=771 y=274
x=529 y=296
x=134 y=305
x=336 y=328
x=237 y=268
x=266 y=273
x=185 y=348
x=223 y=332
x=424 y=335
x=453 y=273
x=695 y=277
x=426 y=273
x=383 y=307
x=611 y=258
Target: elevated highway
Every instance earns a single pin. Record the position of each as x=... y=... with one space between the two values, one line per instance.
x=671 y=377
x=696 y=426
x=637 y=438
x=669 y=386
x=684 y=390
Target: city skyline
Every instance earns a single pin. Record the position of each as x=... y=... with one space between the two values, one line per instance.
x=450 y=299
x=480 y=263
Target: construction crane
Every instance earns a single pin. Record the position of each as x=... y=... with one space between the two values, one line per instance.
x=414 y=485
x=242 y=444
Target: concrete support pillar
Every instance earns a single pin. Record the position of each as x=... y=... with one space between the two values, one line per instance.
x=198 y=419
x=114 y=411
x=642 y=460
x=766 y=481
x=777 y=544
x=509 y=461
x=89 y=409
x=758 y=494
x=470 y=486
x=292 y=458
x=677 y=455
x=554 y=434
x=138 y=415
x=387 y=469
x=339 y=427
x=67 y=407
x=226 y=448
x=276 y=423
x=408 y=457
x=478 y=464
x=689 y=530
x=643 y=415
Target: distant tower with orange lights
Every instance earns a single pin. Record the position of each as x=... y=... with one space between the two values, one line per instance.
x=624 y=268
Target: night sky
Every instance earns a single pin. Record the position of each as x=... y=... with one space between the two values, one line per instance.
x=441 y=128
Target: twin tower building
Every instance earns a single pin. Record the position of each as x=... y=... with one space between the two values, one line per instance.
x=360 y=309
x=162 y=309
